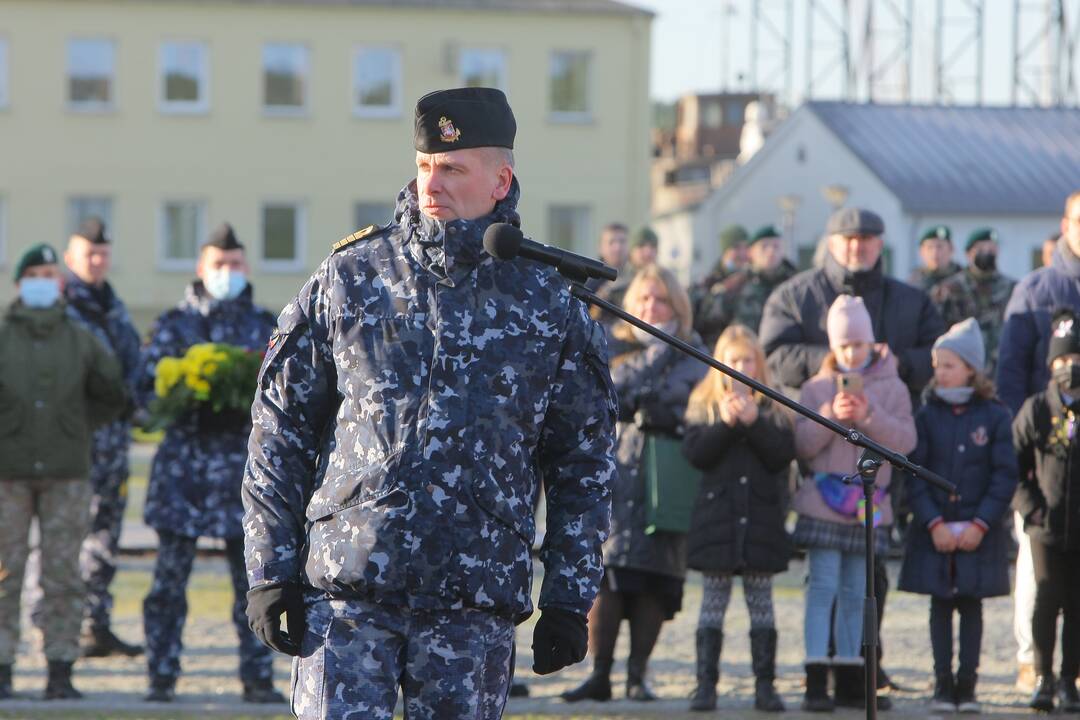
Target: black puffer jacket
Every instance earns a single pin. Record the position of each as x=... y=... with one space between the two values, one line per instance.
x=738 y=520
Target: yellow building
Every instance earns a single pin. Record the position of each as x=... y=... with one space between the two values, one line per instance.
x=292 y=119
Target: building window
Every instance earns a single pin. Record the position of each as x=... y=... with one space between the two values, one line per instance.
x=185 y=77
x=734 y=112
x=569 y=85
x=4 y=98
x=480 y=67
x=570 y=227
x=376 y=82
x=372 y=213
x=712 y=115
x=183 y=226
x=83 y=207
x=282 y=236
x=285 y=78
x=91 y=69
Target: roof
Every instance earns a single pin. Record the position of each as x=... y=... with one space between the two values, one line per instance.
x=596 y=7
x=970 y=159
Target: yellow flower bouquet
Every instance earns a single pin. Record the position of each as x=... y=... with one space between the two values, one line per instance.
x=211 y=379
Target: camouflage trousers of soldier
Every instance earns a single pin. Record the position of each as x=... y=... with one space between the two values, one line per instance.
x=62 y=511
x=448 y=663
x=165 y=609
x=98 y=558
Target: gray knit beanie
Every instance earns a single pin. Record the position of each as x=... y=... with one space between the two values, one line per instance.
x=965 y=339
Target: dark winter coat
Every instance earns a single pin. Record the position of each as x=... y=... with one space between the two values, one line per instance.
x=738 y=521
x=971 y=446
x=1049 y=470
x=641 y=373
x=793 y=325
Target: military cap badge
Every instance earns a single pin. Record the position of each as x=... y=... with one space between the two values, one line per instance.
x=447 y=132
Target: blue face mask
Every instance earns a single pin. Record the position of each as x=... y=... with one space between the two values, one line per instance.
x=955 y=396
x=225 y=284
x=39 y=292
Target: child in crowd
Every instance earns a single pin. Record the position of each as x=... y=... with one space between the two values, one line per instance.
x=857 y=386
x=958 y=548
x=744 y=443
x=1048 y=499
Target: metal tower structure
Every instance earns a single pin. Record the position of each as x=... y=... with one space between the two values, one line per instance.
x=958 y=51
x=885 y=69
x=772 y=29
x=1046 y=34
x=833 y=17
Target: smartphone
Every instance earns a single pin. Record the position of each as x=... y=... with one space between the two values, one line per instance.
x=851 y=383
x=733 y=386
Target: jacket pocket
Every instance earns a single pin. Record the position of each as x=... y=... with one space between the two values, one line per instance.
x=72 y=427
x=367 y=483
x=11 y=418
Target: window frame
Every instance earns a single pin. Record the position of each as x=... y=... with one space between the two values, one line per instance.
x=169 y=264
x=572 y=116
x=302 y=110
x=504 y=72
x=185 y=107
x=579 y=245
x=355 y=219
x=298 y=263
x=91 y=107
x=107 y=217
x=392 y=111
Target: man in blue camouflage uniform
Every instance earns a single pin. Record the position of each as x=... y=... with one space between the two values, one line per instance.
x=198 y=469
x=415 y=395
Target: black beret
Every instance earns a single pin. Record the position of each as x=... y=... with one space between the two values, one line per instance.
x=37 y=255
x=223 y=238
x=1064 y=335
x=855 y=221
x=93 y=229
x=645 y=236
x=979 y=235
x=939 y=232
x=763 y=233
x=463 y=118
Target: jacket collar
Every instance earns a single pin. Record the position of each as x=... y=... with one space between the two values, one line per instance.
x=858 y=283
x=85 y=297
x=198 y=299
x=1065 y=261
x=40 y=322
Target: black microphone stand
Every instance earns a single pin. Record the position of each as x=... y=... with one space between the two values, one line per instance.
x=873 y=456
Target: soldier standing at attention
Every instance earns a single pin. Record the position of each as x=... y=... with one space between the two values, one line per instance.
x=978 y=291
x=198 y=469
x=936 y=251
x=414 y=396
x=57 y=383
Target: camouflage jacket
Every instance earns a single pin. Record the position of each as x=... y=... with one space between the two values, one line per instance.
x=739 y=300
x=967 y=294
x=925 y=279
x=415 y=395
x=197 y=470
x=105 y=315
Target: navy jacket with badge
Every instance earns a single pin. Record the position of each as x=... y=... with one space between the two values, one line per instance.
x=416 y=393
x=198 y=469
x=972 y=448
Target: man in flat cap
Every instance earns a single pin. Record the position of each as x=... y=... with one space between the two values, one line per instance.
x=57 y=384
x=936 y=253
x=978 y=291
x=415 y=395
x=198 y=469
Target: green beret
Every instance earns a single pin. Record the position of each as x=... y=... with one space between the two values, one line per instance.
x=463 y=118
x=763 y=233
x=645 y=236
x=38 y=255
x=732 y=236
x=979 y=235
x=940 y=232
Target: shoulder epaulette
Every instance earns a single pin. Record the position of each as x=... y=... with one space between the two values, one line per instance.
x=350 y=239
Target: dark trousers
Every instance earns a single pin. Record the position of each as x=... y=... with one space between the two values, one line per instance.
x=165 y=609
x=941 y=634
x=97 y=560
x=1057 y=589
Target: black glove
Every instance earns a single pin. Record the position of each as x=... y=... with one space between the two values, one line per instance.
x=561 y=638
x=265 y=604
x=652 y=414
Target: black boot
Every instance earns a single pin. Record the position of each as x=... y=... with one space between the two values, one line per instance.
x=1068 y=699
x=162 y=689
x=519 y=690
x=102 y=642
x=944 y=700
x=965 y=694
x=851 y=687
x=709 y=643
x=6 y=691
x=596 y=687
x=636 y=689
x=1043 y=698
x=763 y=659
x=262 y=692
x=59 y=686
x=817 y=697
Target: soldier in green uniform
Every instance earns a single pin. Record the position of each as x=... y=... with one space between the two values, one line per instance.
x=740 y=298
x=936 y=252
x=980 y=291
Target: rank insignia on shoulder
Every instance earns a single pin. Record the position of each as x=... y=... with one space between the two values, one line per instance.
x=350 y=239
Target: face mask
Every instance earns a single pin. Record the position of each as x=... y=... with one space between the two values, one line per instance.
x=865 y=364
x=225 y=284
x=39 y=292
x=985 y=261
x=1067 y=377
x=646 y=339
x=956 y=395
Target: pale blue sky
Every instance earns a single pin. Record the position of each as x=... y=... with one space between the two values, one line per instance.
x=689 y=37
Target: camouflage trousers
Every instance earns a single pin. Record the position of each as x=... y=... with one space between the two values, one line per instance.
x=355 y=655
x=165 y=609
x=97 y=560
x=62 y=510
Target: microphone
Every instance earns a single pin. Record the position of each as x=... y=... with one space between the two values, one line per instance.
x=506 y=242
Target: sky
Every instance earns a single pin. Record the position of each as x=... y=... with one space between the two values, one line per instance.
x=693 y=41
